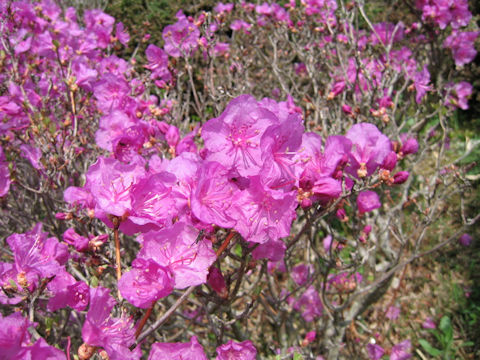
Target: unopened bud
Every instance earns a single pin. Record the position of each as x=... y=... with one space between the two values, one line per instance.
x=86 y=351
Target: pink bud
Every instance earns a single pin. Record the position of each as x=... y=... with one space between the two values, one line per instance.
x=368 y=201
x=465 y=239
x=342 y=215
x=400 y=177
x=390 y=161
x=172 y=136
x=217 y=282
x=367 y=229
x=429 y=324
x=409 y=146
x=347 y=109
x=327 y=243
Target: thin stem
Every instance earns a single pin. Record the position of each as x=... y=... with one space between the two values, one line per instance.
x=144 y=320
x=222 y=247
x=165 y=316
x=116 y=224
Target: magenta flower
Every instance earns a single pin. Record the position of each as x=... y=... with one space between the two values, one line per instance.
x=33 y=155
x=223 y=8
x=80 y=243
x=302 y=273
x=279 y=144
x=238 y=25
x=421 y=81
x=176 y=248
x=262 y=213
x=100 y=329
x=400 y=177
x=409 y=144
x=111 y=183
x=110 y=91
x=15 y=341
x=4 y=175
x=375 y=352
x=36 y=257
x=465 y=239
x=393 y=312
x=233 y=139
x=67 y=291
x=429 y=324
x=153 y=204
x=273 y=250
x=369 y=149
x=401 y=351
x=217 y=282
x=178 y=351
x=146 y=283
x=158 y=63
x=462 y=45
x=181 y=38
x=309 y=304
x=213 y=195
x=368 y=201
x=459 y=94
x=234 y=350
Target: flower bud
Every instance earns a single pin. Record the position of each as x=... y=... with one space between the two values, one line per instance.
x=217 y=282
x=465 y=239
x=390 y=161
x=409 y=145
x=342 y=215
x=400 y=177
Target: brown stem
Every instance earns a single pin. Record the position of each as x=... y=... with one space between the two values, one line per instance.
x=222 y=247
x=144 y=320
x=165 y=316
x=116 y=224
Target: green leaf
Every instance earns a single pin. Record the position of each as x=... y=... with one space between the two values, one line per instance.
x=446 y=327
x=429 y=348
x=94 y=281
x=237 y=250
x=297 y=356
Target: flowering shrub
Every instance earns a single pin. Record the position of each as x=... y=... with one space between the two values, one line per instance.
x=260 y=171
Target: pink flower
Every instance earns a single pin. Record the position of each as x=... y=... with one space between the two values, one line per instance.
x=36 y=257
x=368 y=201
x=158 y=63
x=369 y=149
x=421 y=81
x=15 y=342
x=309 y=304
x=429 y=324
x=213 y=195
x=465 y=240
x=113 y=334
x=181 y=38
x=176 y=248
x=263 y=213
x=302 y=273
x=393 y=312
x=234 y=350
x=146 y=283
x=459 y=95
x=462 y=45
x=67 y=292
x=237 y=25
x=223 y=8
x=233 y=138
x=177 y=351
x=375 y=352
x=401 y=351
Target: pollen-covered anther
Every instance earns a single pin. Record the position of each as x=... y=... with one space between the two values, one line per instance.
x=362 y=171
